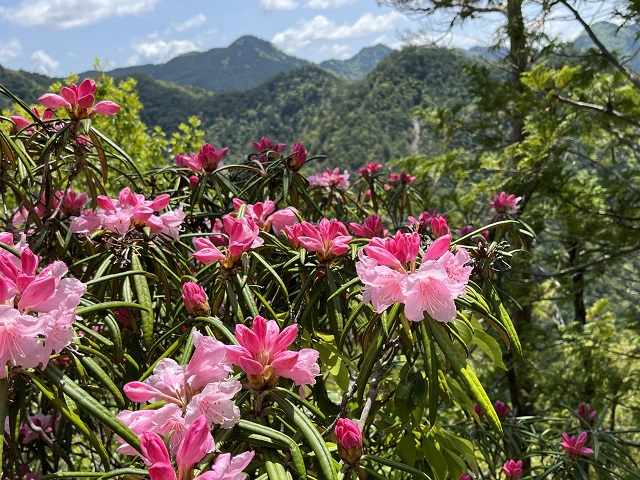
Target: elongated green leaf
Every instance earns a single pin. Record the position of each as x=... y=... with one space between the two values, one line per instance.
x=99 y=374
x=91 y=405
x=107 y=306
x=465 y=373
x=396 y=465
x=276 y=436
x=144 y=299
x=310 y=433
x=505 y=320
x=274 y=467
x=61 y=406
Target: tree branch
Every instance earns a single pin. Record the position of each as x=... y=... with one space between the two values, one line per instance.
x=625 y=70
x=599 y=108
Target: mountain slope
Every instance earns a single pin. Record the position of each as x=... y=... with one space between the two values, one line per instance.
x=25 y=85
x=245 y=63
x=622 y=40
x=356 y=67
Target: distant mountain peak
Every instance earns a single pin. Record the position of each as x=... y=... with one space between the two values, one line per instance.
x=357 y=67
x=251 y=41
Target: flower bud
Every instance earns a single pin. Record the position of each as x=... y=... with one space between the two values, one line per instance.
x=195 y=299
x=349 y=440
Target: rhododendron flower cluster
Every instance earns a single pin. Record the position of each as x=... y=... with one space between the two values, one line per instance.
x=372 y=227
x=575 y=445
x=512 y=470
x=37 y=308
x=369 y=170
x=387 y=268
x=208 y=159
x=329 y=239
x=130 y=211
x=505 y=204
x=192 y=448
x=265 y=144
x=79 y=100
x=262 y=354
x=72 y=203
x=330 y=179
x=401 y=178
x=202 y=387
x=195 y=299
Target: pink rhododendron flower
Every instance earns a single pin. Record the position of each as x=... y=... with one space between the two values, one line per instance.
x=401 y=178
x=505 y=204
x=512 y=469
x=45 y=422
x=330 y=179
x=192 y=448
x=439 y=227
x=258 y=212
x=202 y=387
x=280 y=219
x=79 y=101
x=193 y=181
x=293 y=233
x=329 y=239
x=130 y=211
x=37 y=308
x=195 y=299
x=243 y=234
x=206 y=251
x=575 y=445
x=210 y=158
x=349 y=440
x=478 y=410
x=262 y=353
x=372 y=227
x=369 y=170
x=264 y=145
x=464 y=476
x=388 y=273
x=501 y=409
x=298 y=156
x=585 y=412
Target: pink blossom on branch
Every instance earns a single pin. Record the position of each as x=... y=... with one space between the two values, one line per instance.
x=349 y=440
x=575 y=445
x=585 y=413
x=195 y=299
x=262 y=353
x=329 y=239
x=264 y=145
x=297 y=158
x=512 y=469
x=505 y=204
x=79 y=100
x=370 y=228
x=330 y=180
x=369 y=170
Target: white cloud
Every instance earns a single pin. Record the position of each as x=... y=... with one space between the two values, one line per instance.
x=159 y=51
x=321 y=28
x=10 y=50
x=64 y=14
x=273 y=5
x=193 y=22
x=327 y=3
x=43 y=63
x=336 y=51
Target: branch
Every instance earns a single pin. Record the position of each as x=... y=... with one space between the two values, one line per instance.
x=584 y=266
x=599 y=108
x=625 y=70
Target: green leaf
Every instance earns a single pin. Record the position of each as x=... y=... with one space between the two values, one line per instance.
x=144 y=298
x=310 y=433
x=490 y=347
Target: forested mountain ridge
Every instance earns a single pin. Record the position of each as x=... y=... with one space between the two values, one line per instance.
x=244 y=64
x=356 y=67
x=351 y=123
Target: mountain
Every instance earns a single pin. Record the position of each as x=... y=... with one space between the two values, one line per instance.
x=245 y=63
x=25 y=85
x=356 y=67
x=620 y=39
x=351 y=123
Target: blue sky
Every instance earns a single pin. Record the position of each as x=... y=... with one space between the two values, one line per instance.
x=56 y=37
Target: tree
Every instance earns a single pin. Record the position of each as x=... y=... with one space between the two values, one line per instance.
x=560 y=128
